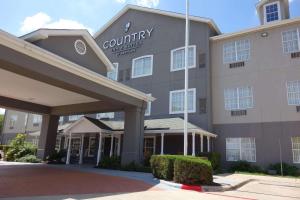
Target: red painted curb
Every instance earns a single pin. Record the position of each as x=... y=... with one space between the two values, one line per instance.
x=192 y=187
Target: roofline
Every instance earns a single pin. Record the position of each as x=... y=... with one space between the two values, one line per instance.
x=24 y=47
x=262 y=2
x=256 y=29
x=42 y=34
x=210 y=22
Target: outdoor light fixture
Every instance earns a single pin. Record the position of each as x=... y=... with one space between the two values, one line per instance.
x=264 y=34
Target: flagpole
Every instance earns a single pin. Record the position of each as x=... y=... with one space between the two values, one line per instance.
x=186 y=78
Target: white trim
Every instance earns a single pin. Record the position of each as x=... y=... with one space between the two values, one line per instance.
x=180 y=112
x=298 y=37
x=236 y=50
x=43 y=55
x=77 y=50
x=265 y=27
x=45 y=33
x=115 y=70
x=238 y=98
x=89 y=148
x=133 y=66
x=210 y=22
x=149 y=104
x=287 y=92
x=180 y=48
x=294 y=150
x=265 y=11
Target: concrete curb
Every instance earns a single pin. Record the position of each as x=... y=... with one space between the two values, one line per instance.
x=207 y=188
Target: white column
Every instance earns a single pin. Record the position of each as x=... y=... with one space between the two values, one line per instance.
x=99 y=149
x=81 y=150
x=193 y=153
x=111 y=145
x=69 y=149
x=162 y=144
x=119 y=145
x=201 y=143
x=208 y=144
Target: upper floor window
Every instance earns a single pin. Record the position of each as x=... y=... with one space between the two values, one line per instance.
x=272 y=12
x=74 y=117
x=296 y=149
x=178 y=58
x=177 y=101
x=293 y=92
x=291 y=41
x=12 y=121
x=142 y=66
x=236 y=51
x=238 y=98
x=37 y=119
x=148 y=109
x=240 y=149
x=109 y=115
x=113 y=75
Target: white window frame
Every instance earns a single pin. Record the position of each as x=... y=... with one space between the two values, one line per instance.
x=236 y=52
x=295 y=150
x=109 y=115
x=89 y=148
x=240 y=149
x=265 y=11
x=154 y=143
x=180 y=112
x=133 y=66
x=298 y=35
x=238 y=98
x=36 y=119
x=79 y=116
x=287 y=92
x=180 y=48
x=116 y=71
x=148 y=106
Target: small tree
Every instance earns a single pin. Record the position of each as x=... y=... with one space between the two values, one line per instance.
x=20 y=148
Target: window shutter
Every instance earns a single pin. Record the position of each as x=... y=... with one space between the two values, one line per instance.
x=121 y=74
x=202 y=60
x=202 y=105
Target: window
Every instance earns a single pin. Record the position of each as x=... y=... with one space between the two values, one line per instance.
x=296 y=149
x=92 y=147
x=240 y=149
x=113 y=75
x=177 y=101
x=12 y=121
x=142 y=66
x=272 y=12
x=148 y=109
x=109 y=115
x=74 y=117
x=37 y=119
x=236 y=51
x=238 y=98
x=149 y=145
x=178 y=58
x=293 y=92
x=61 y=120
x=291 y=41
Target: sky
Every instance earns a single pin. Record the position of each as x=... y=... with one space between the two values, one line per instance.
x=21 y=17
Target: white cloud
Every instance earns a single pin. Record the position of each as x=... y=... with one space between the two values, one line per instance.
x=291 y=1
x=145 y=3
x=42 y=20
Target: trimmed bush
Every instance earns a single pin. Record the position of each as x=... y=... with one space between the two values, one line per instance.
x=20 y=148
x=214 y=158
x=163 y=165
x=135 y=167
x=244 y=166
x=192 y=171
x=29 y=159
x=113 y=162
x=56 y=157
x=288 y=170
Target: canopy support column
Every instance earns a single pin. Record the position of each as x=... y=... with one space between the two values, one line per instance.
x=201 y=143
x=208 y=144
x=69 y=149
x=81 y=150
x=193 y=152
x=111 y=145
x=162 y=144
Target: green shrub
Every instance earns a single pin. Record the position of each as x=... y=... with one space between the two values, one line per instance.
x=244 y=166
x=288 y=170
x=192 y=171
x=56 y=157
x=4 y=148
x=214 y=158
x=135 y=167
x=20 y=148
x=163 y=165
x=29 y=159
x=113 y=162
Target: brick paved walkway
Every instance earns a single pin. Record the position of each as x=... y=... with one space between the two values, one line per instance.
x=40 y=180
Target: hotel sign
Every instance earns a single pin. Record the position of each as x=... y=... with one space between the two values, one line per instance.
x=128 y=43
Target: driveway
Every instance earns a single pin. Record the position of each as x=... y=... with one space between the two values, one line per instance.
x=42 y=180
